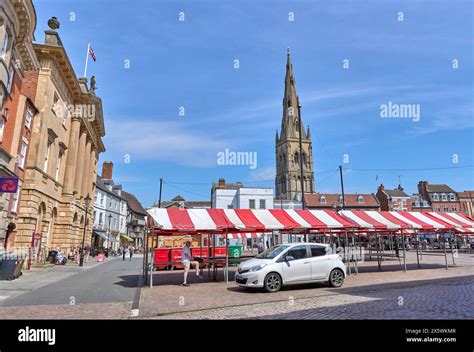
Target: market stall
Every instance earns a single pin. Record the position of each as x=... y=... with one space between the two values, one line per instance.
x=381 y=229
x=235 y=222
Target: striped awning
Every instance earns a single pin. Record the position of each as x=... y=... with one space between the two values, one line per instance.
x=393 y=220
x=243 y=220
x=459 y=221
x=251 y=221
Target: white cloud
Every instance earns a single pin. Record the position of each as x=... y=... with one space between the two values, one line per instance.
x=165 y=141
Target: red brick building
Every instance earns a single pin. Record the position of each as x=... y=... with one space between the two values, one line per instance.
x=334 y=201
x=393 y=199
x=440 y=197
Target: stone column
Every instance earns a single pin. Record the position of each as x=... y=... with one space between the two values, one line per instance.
x=86 y=185
x=71 y=163
x=92 y=169
x=80 y=163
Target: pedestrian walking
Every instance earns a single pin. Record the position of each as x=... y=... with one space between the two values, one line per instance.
x=131 y=252
x=124 y=252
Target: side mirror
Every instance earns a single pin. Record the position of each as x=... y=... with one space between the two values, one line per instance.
x=289 y=258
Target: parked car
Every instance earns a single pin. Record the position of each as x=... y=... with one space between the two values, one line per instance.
x=292 y=263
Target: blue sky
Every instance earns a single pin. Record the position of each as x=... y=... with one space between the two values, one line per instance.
x=190 y=64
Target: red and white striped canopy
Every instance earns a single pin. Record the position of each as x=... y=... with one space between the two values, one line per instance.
x=393 y=220
x=263 y=220
x=243 y=220
x=460 y=222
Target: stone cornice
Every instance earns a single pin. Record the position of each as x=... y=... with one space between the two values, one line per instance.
x=59 y=55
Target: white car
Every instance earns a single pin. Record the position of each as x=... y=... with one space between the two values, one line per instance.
x=292 y=263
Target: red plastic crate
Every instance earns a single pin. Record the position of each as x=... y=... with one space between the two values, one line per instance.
x=175 y=256
x=161 y=255
x=219 y=251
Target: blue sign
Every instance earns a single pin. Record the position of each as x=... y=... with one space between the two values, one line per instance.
x=8 y=184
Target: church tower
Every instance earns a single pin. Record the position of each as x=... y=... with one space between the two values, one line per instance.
x=287 y=149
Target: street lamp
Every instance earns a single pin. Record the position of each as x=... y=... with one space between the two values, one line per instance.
x=87 y=201
x=108 y=235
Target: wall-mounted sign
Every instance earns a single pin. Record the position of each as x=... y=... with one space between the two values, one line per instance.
x=8 y=184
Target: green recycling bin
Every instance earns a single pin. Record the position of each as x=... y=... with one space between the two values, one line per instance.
x=234 y=252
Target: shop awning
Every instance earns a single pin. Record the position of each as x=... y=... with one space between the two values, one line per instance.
x=105 y=236
x=128 y=238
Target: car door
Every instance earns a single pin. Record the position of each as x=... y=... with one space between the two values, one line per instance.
x=298 y=269
x=321 y=262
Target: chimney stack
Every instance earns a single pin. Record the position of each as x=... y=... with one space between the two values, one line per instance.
x=107 y=169
x=221 y=183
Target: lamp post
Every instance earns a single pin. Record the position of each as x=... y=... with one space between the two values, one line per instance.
x=87 y=201
x=108 y=234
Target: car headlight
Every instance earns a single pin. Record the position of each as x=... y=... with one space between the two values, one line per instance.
x=258 y=267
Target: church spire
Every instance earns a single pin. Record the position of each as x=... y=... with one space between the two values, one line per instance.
x=287 y=147
x=290 y=120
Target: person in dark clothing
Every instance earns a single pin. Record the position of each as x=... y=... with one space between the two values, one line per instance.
x=131 y=252
x=124 y=252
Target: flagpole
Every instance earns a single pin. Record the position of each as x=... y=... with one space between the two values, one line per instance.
x=87 y=59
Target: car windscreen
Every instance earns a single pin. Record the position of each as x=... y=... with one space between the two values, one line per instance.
x=271 y=252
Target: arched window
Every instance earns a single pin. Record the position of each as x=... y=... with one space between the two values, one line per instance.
x=360 y=199
x=322 y=199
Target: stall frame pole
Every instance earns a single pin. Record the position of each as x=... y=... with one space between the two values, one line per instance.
x=452 y=246
x=404 y=252
x=445 y=254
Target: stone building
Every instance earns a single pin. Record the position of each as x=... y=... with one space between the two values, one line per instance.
x=17 y=109
x=287 y=149
x=66 y=141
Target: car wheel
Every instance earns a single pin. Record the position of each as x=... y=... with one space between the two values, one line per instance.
x=336 y=278
x=272 y=282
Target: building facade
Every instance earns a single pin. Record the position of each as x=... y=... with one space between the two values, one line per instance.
x=393 y=199
x=106 y=225
x=335 y=201
x=236 y=196
x=66 y=141
x=466 y=202
x=440 y=197
x=287 y=147
x=17 y=109
x=418 y=203
x=136 y=218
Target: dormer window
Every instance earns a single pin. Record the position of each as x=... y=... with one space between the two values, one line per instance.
x=435 y=196
x=322 y=199
x=452 y=197
x=444 y=197
x=360 y=199
x=417 y=204
x=425 y=203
